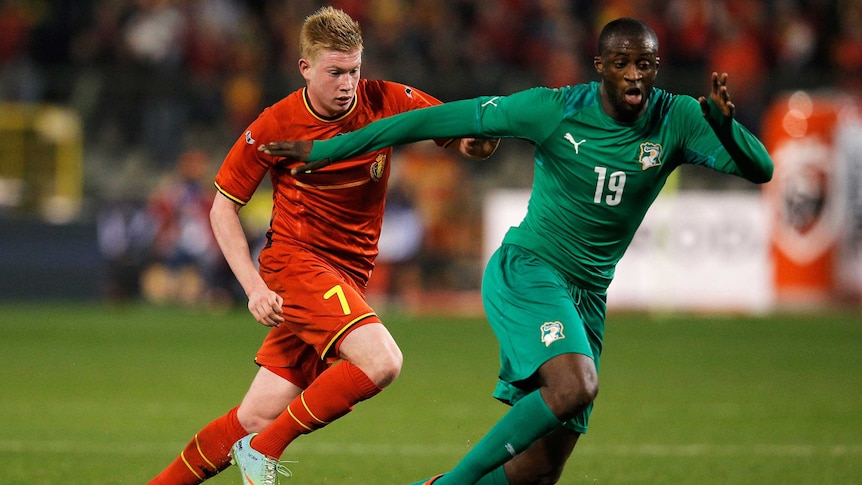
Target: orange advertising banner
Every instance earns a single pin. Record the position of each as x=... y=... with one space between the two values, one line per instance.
x=806 y=197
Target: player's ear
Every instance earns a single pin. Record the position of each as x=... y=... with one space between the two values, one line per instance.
x=305 y=69
x=597 y=63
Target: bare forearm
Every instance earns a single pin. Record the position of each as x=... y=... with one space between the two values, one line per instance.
x=232 y=241
x=263 y=303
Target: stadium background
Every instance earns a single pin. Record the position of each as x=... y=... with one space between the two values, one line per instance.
x=107 y=104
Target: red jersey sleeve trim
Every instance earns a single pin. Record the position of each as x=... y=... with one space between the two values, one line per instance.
x=222 y=192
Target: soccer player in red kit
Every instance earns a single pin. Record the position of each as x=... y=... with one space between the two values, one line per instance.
x=327 y=349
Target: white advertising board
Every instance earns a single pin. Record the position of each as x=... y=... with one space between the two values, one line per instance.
x=696 y=250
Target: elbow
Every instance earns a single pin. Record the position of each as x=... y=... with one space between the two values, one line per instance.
x=215 y=212
x=213 y=216
x=756 y=172
x=764 y=176
x=761 y=179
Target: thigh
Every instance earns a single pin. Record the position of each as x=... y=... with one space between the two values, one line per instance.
x=531 y=309
x=544 y=461
x=538 y=316
x=289 y=356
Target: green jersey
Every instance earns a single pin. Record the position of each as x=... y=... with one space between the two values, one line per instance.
x=594 y=177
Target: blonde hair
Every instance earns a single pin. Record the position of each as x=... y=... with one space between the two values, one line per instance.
x=329 y=29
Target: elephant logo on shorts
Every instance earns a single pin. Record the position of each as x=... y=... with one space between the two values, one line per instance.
x=551 y=332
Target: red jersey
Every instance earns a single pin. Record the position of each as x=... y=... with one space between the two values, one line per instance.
x=338 y=210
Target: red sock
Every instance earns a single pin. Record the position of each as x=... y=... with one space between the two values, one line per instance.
x=206 y=454
x=329 y=397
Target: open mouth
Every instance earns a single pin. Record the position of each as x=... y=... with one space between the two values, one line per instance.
x=634 y=96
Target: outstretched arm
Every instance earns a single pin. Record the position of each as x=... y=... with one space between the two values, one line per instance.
x=299 y=151
x=457 y=119
x=747 y=151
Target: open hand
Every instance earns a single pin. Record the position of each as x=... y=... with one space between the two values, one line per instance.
x=478 y=148
x=719 y=96
x=294 y=151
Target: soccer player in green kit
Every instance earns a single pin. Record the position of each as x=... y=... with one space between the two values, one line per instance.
x=603 y=151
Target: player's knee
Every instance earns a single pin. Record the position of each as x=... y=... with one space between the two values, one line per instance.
x=254 y=423
x=570 y=384
x=383 y=368
x=573 y=398
x=578 y=400
x=389 y=368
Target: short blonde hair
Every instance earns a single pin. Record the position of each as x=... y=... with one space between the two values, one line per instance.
x=329 y=29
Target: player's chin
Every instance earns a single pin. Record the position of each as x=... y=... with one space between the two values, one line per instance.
x=628 y=110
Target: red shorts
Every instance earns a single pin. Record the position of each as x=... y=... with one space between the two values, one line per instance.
x=321 y=305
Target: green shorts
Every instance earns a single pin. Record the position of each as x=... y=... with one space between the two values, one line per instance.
x=538 y=314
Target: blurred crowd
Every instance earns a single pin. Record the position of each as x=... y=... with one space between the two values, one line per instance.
x=155 y=80
x=151 y=73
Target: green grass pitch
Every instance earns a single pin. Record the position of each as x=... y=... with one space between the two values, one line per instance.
x=95 y=394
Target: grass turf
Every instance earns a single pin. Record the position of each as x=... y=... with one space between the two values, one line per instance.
x=95 y=394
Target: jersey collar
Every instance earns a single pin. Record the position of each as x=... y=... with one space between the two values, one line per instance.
x=329 y=119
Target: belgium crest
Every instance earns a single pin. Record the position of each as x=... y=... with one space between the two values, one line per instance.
x=377 y=168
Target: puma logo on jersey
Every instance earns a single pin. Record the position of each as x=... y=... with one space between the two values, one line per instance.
x=574 y=143
x=248 y=138
x=491 y=102
x=650 y=155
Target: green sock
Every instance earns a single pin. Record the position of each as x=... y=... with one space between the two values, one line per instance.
x=527 y=421
x=496 y=477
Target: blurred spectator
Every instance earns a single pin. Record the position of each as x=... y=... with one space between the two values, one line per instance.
x=186 y=265
x=19 y=77
x=396 y=270
x=148 y=75
x=691 y=32
x=557 y=41
x=738 y=50
x=442 y=193
x=847 y=51
x=124 y=235
x=795 y=38
x=155 y=37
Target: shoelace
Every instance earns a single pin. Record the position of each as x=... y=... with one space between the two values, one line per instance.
x=275 y=468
